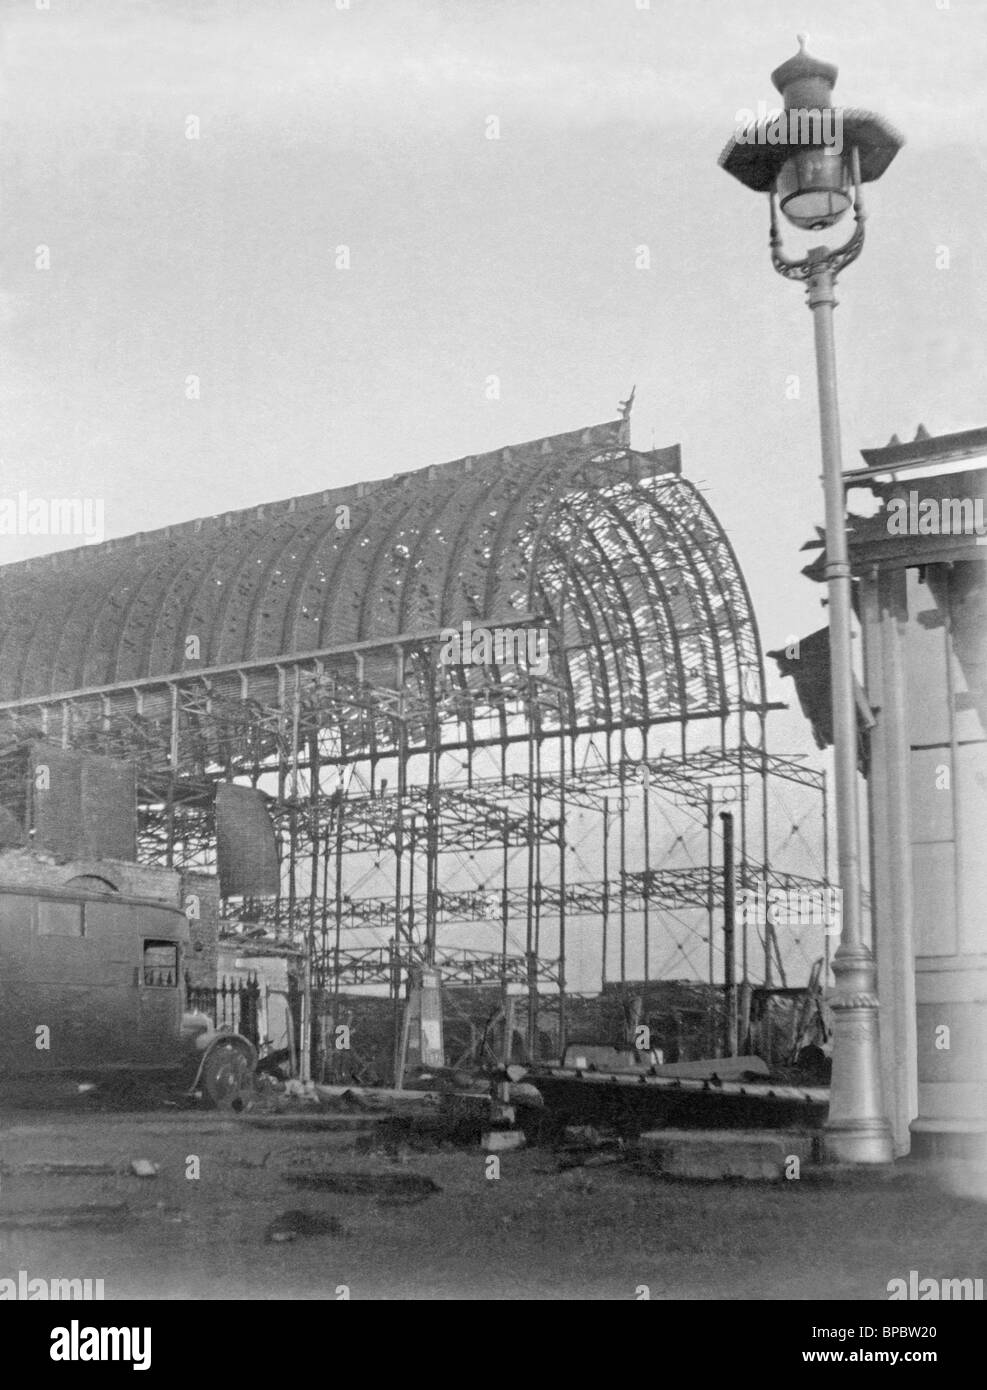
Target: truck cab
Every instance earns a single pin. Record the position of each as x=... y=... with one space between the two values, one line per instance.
x=92 y=984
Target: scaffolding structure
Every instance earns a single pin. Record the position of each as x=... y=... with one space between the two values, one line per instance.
x=562 y=773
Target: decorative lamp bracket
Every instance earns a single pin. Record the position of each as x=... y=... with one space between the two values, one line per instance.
x=820 y=258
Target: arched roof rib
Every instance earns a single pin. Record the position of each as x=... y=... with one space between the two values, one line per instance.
x=650 y=613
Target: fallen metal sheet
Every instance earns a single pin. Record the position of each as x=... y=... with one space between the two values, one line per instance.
x=377 y=1097
x=62 y=1169
x=633 y=1101
x=290 y=1225
x=107 y=1216
x=405 y=1187
x=753 y=1089
x=317 y=1124
x=723 y=1068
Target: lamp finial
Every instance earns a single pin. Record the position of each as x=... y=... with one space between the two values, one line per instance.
x=803 y=40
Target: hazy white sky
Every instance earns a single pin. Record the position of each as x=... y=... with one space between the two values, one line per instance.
x=366 y=126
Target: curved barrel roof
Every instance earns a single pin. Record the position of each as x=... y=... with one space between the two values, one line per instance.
x=620 y=555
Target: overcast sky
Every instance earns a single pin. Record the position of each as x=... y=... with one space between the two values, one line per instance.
x=367 y=127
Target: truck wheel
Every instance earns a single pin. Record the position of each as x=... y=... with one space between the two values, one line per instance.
x=227 y=1077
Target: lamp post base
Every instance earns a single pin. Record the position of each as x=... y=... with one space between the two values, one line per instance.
x=857 y=1130
x=858 y=1141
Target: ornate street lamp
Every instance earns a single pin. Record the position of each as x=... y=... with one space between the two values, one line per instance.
x=812 y=161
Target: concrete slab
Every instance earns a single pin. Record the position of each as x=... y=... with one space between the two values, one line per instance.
x=502 y=1140
x=377 y=1096
x=718 y=1155
x=316 y=1123
x=725 y=1068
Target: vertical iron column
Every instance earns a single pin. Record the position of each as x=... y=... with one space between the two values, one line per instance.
x=324 y=911
x=172 y=774
x=529 y=940
x=412 y=848
x=606 y=887
x=825 y=839
x=645 y=807
x=562 y=889
x=313 y=836
x=398 y=852
x=742 y=767
x=536 y=928
x=281 y=739
x=293 y=808
x=336 y=983
x=729 y=943
x=623 y=861
x=711 y=919
x=504 y=913
x=432 y=851
x=305 y=1039
x=767 y=1045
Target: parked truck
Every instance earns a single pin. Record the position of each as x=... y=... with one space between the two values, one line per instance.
x=92 y=988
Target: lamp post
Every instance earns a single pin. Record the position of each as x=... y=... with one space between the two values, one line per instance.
x=812 y=159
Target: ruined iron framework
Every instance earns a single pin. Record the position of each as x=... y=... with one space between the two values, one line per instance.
x=296 y=647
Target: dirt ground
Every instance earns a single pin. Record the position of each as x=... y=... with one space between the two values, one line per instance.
x=531 y=1233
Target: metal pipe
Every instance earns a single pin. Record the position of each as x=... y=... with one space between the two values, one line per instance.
x=856 y=1130
x=506 y=1002
x=305 y=1035
x=432 y=807
x=606 y=888
x=623 y=861
x=646 y=813
x=412 y=845
x=744 y=934
x=339 y=913
x=562 y=912
x=822 y=301
x=767 y=1045
x=398 y=852
x=536 y=942
x=710 y=918
x=324 y=913
x=531 y=1041
x=826 y=875
x=729 y=942
x=172 y=773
